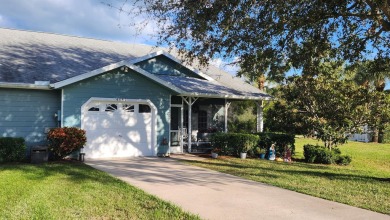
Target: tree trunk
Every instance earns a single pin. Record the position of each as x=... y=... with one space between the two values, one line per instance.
x=375 y=135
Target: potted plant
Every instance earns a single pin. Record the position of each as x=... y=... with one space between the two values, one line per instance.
x=244 y=151
x=260 y=151
x=214 y=153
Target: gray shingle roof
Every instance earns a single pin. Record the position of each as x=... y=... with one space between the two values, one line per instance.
x=207 y=88
x=27 y=56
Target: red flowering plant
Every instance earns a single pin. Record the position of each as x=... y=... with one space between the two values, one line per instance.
x=64 y=141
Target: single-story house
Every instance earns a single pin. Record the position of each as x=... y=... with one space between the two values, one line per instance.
x=132 y=99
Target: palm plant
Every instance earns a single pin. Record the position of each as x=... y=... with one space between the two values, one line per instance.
x=374 y=74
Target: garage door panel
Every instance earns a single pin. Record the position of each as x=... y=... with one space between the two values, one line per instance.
x=121 y=132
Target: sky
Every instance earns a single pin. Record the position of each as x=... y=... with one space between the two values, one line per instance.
x=84 y=18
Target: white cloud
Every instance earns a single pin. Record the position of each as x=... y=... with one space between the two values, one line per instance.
x=87 y=18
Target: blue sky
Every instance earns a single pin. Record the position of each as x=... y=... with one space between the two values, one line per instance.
x=85 y=18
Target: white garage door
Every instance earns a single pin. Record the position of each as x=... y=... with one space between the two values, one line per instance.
x=118 y=128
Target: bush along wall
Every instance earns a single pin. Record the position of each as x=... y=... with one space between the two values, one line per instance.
x=12 y=149
x=64 y=141
x=320 y=154
x=281 y=141
x=234 y=143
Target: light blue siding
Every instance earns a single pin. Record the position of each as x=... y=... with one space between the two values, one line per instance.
x=162 y=65
x=117 y=84
x=26 y=113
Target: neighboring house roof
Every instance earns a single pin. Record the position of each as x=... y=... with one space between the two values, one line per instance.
x=27 y=57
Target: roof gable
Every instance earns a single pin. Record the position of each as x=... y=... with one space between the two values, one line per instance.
x=27 y=57
x=163 y=65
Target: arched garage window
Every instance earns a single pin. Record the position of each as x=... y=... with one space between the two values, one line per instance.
x=144 y=108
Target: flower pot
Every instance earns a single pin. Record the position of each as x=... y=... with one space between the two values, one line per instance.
x=242 y=155
x=262 y=156
x=214 y=155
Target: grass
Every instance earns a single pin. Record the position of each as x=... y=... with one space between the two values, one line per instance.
x=75 y=191
x=365 y=183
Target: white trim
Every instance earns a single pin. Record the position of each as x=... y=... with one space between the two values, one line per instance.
x=88 y=75
x=123 y=100
x=175 y=59
x=146 y=57
x=130 y=64
x=170 y=124
x=226 y=96
x=24 y=86
x=113 y=66
x=259 y=117
x=62 y=108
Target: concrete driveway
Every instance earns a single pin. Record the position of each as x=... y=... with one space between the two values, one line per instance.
x=214 y=195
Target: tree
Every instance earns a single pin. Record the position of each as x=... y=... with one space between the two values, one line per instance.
x=271 y=37
x=329 y=105
x=242 y=117
x=280 y=117
x=373 y=75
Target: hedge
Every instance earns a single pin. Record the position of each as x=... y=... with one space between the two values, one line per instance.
x=281 y=141
x=320 y=154
x=234 y=143
x=12 y=149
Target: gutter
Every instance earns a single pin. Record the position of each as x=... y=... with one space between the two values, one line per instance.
x=38 y=85
x=205 y=95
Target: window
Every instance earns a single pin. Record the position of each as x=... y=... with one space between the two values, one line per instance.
x=202 y=120
x=94 y=109
x=144 y=108
x=128 y=108
x=111 y=107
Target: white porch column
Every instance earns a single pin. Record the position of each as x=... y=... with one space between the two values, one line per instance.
x=227 y=105
x=259 y=116
x=181 y=126
x=190 y=101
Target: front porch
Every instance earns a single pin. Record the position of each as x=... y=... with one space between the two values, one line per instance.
x=194 y=119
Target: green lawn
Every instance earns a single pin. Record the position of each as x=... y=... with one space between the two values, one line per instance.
x=75 y=191
x=364 y=183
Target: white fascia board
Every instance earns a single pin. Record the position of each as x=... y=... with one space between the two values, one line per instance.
x=88 y=74
x=127 y=63
x=146 y=57
x=226 y=96
x=155 y=78
x=174 y=59
x=23 y=86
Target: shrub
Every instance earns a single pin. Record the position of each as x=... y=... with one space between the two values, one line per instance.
x=344 y=160
x=319 y=154
x=281 y=141
x=220 y=141
x=64 y=141
x=12 y=149
x=234 y=143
